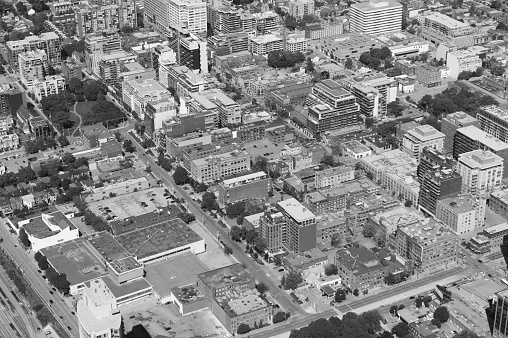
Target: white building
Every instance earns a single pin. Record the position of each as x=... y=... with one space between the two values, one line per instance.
x=33 y=66
x=424 y=136
x=49 y=229
x=50 y=85
x=460 y=214
x=376 y=17
x=264 y=44
x=481 y=171
x=180 y=14
x=137 y=94
x=355 y=149
x=462 y=60
x=299 y=8
x=98 y=313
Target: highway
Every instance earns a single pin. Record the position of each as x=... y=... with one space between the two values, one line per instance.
x=260 y=274
x=59 y=308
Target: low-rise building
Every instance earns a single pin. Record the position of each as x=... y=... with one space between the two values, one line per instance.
x=387 y=222
x=355 y=149
x=424 y=136
x=497 y=236
x=334 y=176
x=427 y=75
x=460 y=61
x=299 y=262
x=220 y=166
x=256 y=185
x=361 y=208
x=51 y=85
x=349 y=45
x=462 y=215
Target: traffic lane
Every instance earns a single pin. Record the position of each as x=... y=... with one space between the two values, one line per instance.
x=59 y=308
x=5 y=329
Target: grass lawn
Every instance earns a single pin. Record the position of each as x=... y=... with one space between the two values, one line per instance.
x=84 y=107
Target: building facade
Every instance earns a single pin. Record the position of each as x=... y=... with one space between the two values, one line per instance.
x=376 y=17
x=451 y=123
x=481 y=171
x=300 y=226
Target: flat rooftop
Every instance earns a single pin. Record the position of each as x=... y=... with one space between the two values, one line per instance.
x=76 y=259
x=373 y=5
x=158 y=238
x=445 y=20
x=248 y=177
x=425 y=133
x=127 y=288
x=187 y=294
x=48 y=225
x=107 y=246
x=145 y=220
x=483 y=288
x=225 y=276
x=296 y=210
x=244 y=304
x=475 y=133
x=480 y=159
x=494 y=111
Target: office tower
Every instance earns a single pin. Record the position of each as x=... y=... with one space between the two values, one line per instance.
x=432 y=158
x=451 y=123
x=33 y=65
x=99 y=44
x=299 y=8
x=494 y=121
x=331 y=107
x=191 y=50
x=376 y=17
x=224 y=19
x=499 y=307
x=438 y=183
x=423 y=136
x=273 y=227
x=300 y=226
x=98 y=313
x=462 y=214
x=168 y=15
x=481 y=171
x=49 y=42
x=472 y=138
x=440 y=28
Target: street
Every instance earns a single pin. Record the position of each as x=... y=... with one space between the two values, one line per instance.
x=281 y=296
x=59 y=308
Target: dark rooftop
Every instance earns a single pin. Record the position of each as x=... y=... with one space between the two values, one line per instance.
x=228 y=275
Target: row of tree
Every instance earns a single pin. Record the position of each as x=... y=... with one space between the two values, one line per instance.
x=284 y=59
x=58 y=280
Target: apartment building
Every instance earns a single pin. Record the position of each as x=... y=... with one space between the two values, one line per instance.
x=189 y=15
x=250 y=186
x=191 y=50
x=264 y=44
x=461 y=214
x=472 y=138
x=431 y=158
x=461 y=61
x=49 y=85
x=376 y=17
x=440 y=28
x=298 y=8
x=449 y=125
x=272 y=227
x=349 y=45
x=110 y=66
x=94 y=18
x=33 y=66
x=11 y=99
x=438 y=183
x=300 y=226
x=481 y=171
x=333 y=177
x=98 y=44
x=424 y=136
x=220 y=166
x=137 y=94
x=158 y=112
x=317 y=30
x=49 y=42
x=229 y=110
x=265 y=22
x=494 y=121
x=224 y=19
x=227 y=44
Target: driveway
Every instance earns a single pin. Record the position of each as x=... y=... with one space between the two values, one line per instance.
x=79 y=118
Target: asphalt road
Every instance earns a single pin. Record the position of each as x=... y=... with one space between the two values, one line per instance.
x=260 y=274
x=59 y=308
x=402 y=288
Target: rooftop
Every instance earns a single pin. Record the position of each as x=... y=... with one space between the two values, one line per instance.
x=220 y=157
x=480 y=159
x=298 y=260
x=187 y=294
x=248 y=177
x=445 y=20
x=460 y=118
x=494 y=111
x=428 y=232
x=425 y=133
x=356 y=147
x=397 y=217
x=475 y=133
x=145 y=220
x=296 y=210
x=358 y=259
x=244 y=303
x=457 y=204
x=108 y=247
x=127 y=288
x=226 y=276
x=376 y=5
x=171 y=234
x=47 y=225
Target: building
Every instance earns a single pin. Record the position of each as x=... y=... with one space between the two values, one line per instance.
x=462 y=215
x=168 y=15
x=472 y=138
x=428 y=75
x=481 y=171
x=440 y=28
x=104 y=15
x=250 y=186
x=431 y=158
x=359 y=268
x=451 y=123
x=110 y=66
x=98 y=44
x=217 y=167
x=424 y=136
x=348 y=45
x=50 y=85
x=98 y=313
x=334 y=108
x=272 y=227
x=300 y=226
x=333 y=177
x=305 y=260
x=33 y=66
x=406 y=67
x=137 y=94
x=158 y=112
x=494 y=121
x=388 y=221
x=404 y=44
x=376 y=17
x=298 y=8
x=317 y=30
x=496 y=236
x=362 y=207
x=191 y=50
x=224 y=19
x=227 y=44
x=50 y=42
x=355 y=149
x=438 y=183
x=499 y=307
x=264 y=44
x=426 y=246
x=498 y=202
x=462 y=61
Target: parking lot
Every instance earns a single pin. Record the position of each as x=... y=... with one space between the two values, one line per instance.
x=134 y=204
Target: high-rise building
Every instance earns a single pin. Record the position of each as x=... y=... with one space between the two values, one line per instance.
x=472 y=138
x=158 y=112
x=191 y=50
x=431 y=158
x=298 y=8
x=440 y=28
x=438 y=183
x=136 y=94
x=90 y=19
x=49 y=42
x=168 y=15
x=224 y=19
x=11 y=98
x=499 y=307
x=424 y=136
x=98 y=313
x=99 y=44
x=451 y=123
x=273 y=227
x=33 y=66
x=300 y=226
x=315 y=31
x=481 y=171
x=494 y=121
x=376 y=17
x=110 y=66
x=461 y=214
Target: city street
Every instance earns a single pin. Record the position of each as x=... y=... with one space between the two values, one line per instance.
x=281 y=296
x=61 y=311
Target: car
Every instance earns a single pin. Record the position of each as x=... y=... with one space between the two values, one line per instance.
x=412 y=297
x=480 y=261
x=61 y=317
x=51 y=292
x=39 y=271
x=280 y=270
x=69 y=328
x=72 y=313
x=489 y=275
x=43 y=276
x=54 y=289
x=51 y=301
x=15 y=245
x=132 y=317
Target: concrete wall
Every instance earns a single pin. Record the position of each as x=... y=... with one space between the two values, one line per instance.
x=256 y=189
x=196 y=248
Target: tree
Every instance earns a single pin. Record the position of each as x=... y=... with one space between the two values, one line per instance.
x=401 y=330
x=466 y=334
x=128 y=146
x=92 y=88
x=293 y=279
x=425 y=102
x=63 y=141
x=369 y=122
x=25 y=174
x=236 y=209
x=68 y=158
x=356 y=292
x=147 y=143
x=340 y=295
x=75 y=85
x=103 y=111
x=260 y=164
x=348 y=64
x=43 y=263
x=209 y=201
x=336 y=240
x=262 y=288
x=30 y=147
x=237 y=233
x=419 y=301
x=436 y=322
x=369 y=230
x=243 y=328
x=127 y=29
x=284 y=59
x=23 y=238
x=408 y=203
x=180 y=176
x=227 y=250
x=38 y=256
x=279 y=317
x=393 y=310
x=331 y=269
x=277 y=261
x=386 y=334
x=186 y=217
x=310 y=66
x=442 y=314
x=395 y=108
